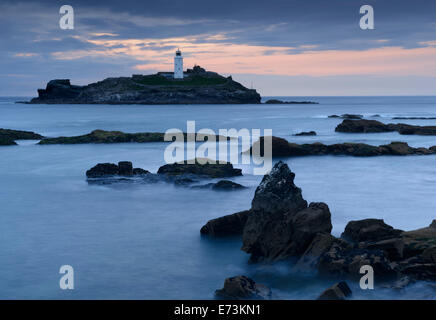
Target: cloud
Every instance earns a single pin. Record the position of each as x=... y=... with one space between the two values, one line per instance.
x=25 y=54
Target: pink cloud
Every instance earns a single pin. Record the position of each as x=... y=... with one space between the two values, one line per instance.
x=231 y=58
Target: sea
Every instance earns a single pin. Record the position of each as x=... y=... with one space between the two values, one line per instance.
x=142 y=240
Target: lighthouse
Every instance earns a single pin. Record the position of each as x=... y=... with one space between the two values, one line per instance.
x=178 y=65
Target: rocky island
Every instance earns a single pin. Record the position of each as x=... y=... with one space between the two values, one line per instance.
x=198 y=86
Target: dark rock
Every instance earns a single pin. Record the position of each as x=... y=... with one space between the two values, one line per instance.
x=363 y=126
x=348 y=116
x=277 y=192
x=372 y=126
x=414 y=118
x=212 y=169
x=198 y=87
x=421 y=271
x=429 y=254
x=125 y=168
x=8 y=136
x=226 y=185
x=276 y=101
x=232 y=224
x=339 y=291
x=393 y=248
x=343 y=260
x=101 y=136
x=243 y=288
x=369 y=230
x=7 y=141
x=309 y=133
x=280 y=224
x=140 y=171
x=320 y=244
x=102 y=170
x=282 y=148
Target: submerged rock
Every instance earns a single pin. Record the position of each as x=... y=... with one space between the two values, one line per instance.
x=243 y=288
x=338 y=291
x=201 y=167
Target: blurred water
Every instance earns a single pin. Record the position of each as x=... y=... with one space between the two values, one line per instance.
x=142 y=240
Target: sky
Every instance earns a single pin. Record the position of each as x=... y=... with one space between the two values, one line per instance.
x=280 y=47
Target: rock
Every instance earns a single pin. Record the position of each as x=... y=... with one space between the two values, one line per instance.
x=280 y=224
x=363 y=126
x=276 y=101
x=102 y=136
x=230 y=225
x=309 y=133
x=348 y=116
x=197 y=87
x=227 y=185
x=124 y=168
x=320 y=244
x=414 y=118
x=370 y=126
x=282 y=148
x=339 y=291
x=277 y=192
x=429 y=254
x=345 y=261
x=8 y=136
x=369 y=230
x=243 y=288
x=140 y=171
x=421 y=271
x=102 y=170
x=213 y=169
x=393 y=248
x=7 y=141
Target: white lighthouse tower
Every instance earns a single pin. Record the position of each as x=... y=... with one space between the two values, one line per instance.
x=178 y=65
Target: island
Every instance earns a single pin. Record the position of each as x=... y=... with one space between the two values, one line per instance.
x=197 y=86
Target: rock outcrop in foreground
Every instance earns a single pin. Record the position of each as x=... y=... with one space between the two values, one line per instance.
x=198 y=87
x=279 y=225
x=243 y=288
x=8 y=136
x=373 y=126
x=282 y=148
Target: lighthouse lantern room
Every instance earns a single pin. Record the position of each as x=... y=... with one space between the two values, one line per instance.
x=178 y=65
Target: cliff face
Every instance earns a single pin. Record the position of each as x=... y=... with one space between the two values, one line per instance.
x=198 y=87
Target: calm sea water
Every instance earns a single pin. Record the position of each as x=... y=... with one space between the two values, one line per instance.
x=142 y=241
